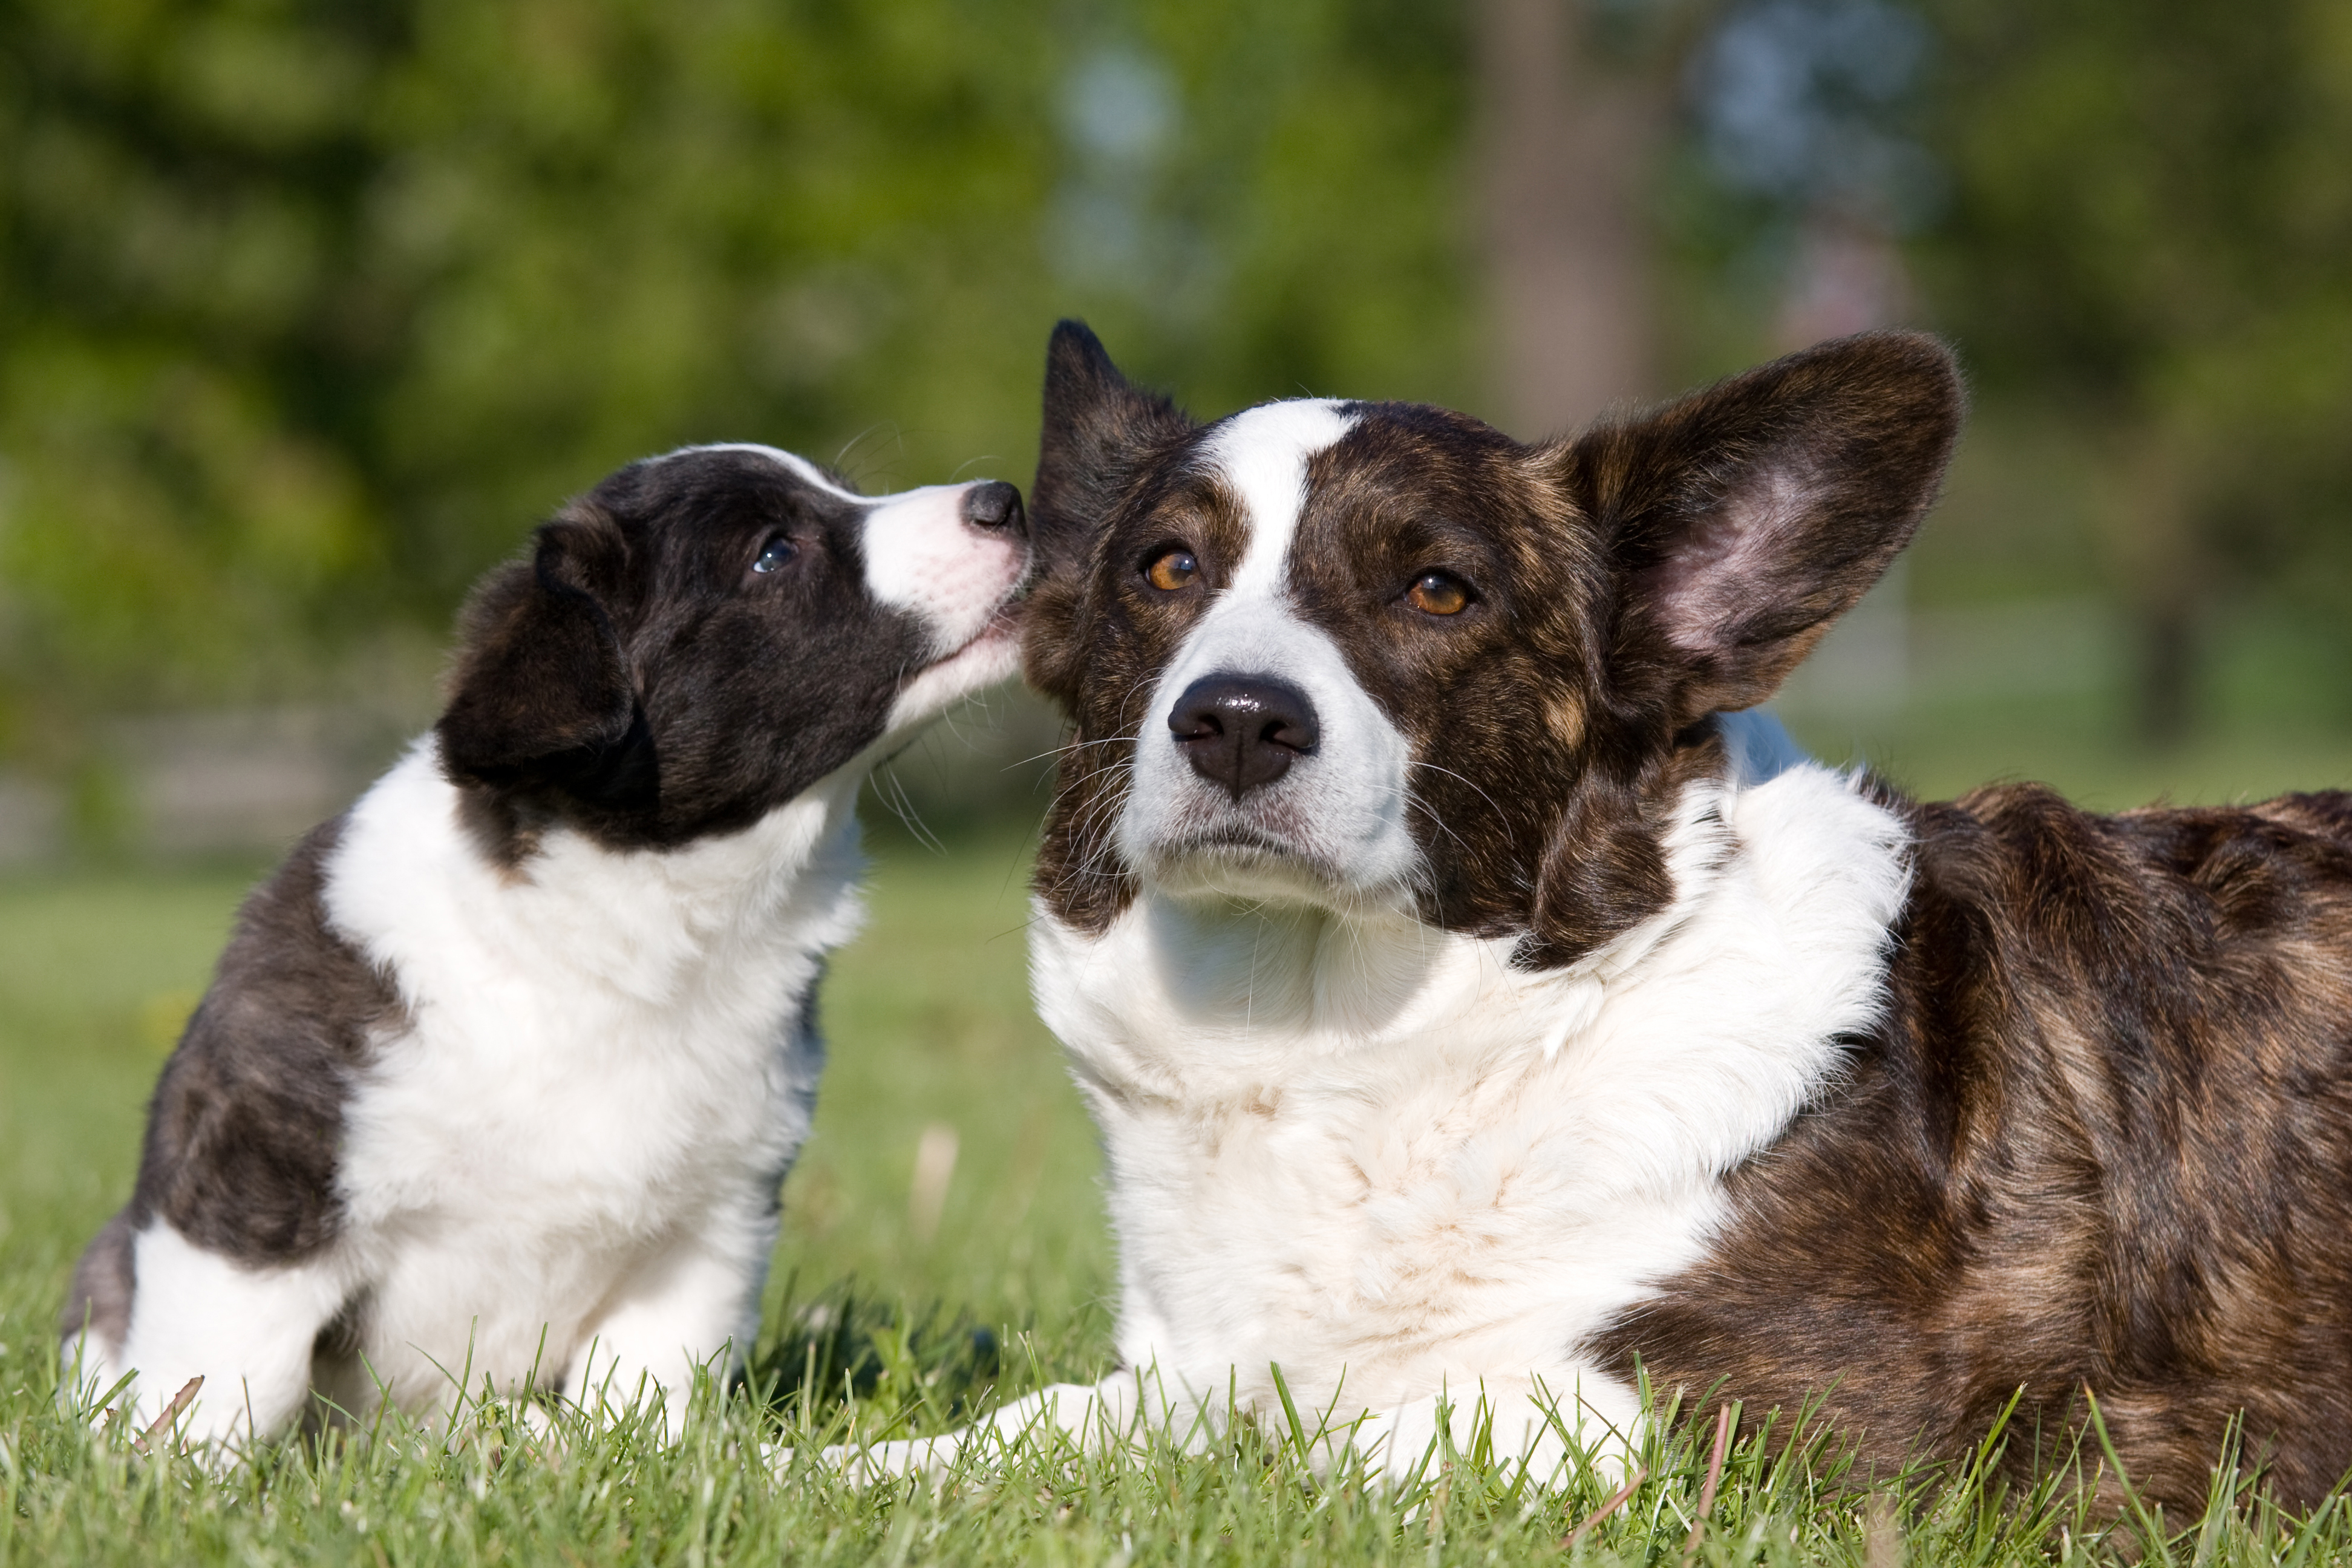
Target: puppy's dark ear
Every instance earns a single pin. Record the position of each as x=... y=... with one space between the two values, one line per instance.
x=542 y=694
x=1746 y=518
x=1098 y=432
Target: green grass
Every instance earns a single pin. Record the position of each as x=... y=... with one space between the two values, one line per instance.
x=903 y=1327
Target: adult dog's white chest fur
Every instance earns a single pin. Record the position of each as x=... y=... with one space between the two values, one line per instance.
x=1383 y=1158
x=603 y=1067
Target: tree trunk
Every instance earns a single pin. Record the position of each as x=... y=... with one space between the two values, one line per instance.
x=1570 y=144
x=2153 y=544
x=2168 y=669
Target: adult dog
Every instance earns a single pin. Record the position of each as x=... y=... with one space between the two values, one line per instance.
x=501 y=1071
x=1481 y=1009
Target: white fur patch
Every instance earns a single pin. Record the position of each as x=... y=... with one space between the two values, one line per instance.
x=1376 y=1155
x=922 y=557
x=1261 y=455
x=607 y=1071
x=800 y=468
x=246 y=1331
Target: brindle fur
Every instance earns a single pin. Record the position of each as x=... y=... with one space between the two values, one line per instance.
x=2102 y=1139
x=247 y=1119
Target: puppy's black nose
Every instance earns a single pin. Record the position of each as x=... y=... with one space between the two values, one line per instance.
x=1243 y=730
x=995 y=504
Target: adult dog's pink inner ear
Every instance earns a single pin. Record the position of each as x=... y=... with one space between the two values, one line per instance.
x=1708 y=583
x=1749 y=516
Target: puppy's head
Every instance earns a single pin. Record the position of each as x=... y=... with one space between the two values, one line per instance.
x=705 y=635
x=1380 y=655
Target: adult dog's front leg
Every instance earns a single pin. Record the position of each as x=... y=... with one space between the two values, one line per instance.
x=1120 y=1410
x=246 y=1332
x=1542 y=1426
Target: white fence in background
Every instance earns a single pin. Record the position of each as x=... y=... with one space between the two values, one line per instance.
x=250 y=781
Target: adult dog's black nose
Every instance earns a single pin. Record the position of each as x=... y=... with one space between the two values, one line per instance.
x=995 y=504
x=1243 y=730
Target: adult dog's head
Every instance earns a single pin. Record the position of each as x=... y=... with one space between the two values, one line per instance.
x=1378 y=655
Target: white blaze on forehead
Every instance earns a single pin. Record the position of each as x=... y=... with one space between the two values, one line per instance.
x=1261 y=455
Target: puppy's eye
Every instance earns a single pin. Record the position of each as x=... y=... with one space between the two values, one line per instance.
x=1438 y=594
x=1171 y=569
x=774 y=553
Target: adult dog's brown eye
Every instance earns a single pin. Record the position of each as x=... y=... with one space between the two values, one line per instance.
x=1438 y=594
x=1171 y=569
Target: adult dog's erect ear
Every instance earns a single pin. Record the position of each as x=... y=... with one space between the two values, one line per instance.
x=542 y=694
x=1744 y=519
x=1098 y=432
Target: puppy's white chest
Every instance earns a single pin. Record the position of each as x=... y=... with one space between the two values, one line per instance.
x=570 y=1110
x=593 y=1052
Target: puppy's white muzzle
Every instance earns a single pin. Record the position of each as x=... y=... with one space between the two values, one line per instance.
x=953 y=556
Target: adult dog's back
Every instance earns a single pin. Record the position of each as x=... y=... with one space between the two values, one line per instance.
x=2098 y=1142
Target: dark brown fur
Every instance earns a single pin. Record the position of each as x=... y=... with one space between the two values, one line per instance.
x=2104 y=1141
x=1544 y=718
x=244 y=1130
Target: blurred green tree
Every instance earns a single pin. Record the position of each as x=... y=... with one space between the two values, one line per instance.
x=2149 y=240
x=308 y=307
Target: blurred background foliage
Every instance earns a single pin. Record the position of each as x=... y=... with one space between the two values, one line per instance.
x=308 y=311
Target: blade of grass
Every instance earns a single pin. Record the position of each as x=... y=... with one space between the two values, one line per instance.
x=1609 y=1505
x=1713 y=1480
x=2153 y=1544
x=1289 y=1412
x=171 y=1412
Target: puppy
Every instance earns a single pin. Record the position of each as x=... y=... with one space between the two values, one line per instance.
x=501 y=1071
x=1482 y=1010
